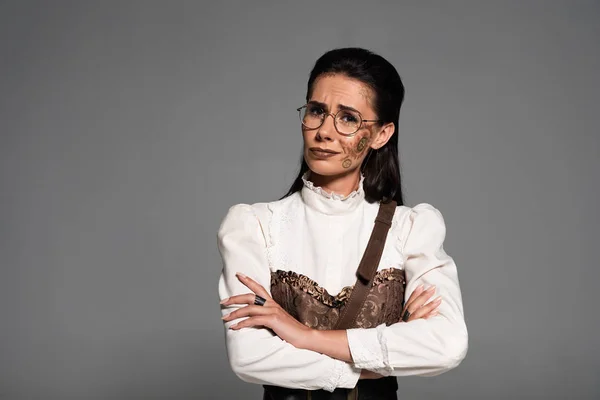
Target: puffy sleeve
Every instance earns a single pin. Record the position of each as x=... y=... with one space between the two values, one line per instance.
x=257 y=355
x=420 y=347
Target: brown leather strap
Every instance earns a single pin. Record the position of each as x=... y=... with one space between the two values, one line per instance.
x=368 y=265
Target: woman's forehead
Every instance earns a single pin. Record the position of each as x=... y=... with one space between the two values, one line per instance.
x=333 y=89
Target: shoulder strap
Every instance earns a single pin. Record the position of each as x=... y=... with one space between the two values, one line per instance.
x=368 y=265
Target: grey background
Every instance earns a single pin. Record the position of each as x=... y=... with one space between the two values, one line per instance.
x=129 y=128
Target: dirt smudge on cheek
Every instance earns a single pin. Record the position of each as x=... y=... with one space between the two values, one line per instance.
x=354 y=149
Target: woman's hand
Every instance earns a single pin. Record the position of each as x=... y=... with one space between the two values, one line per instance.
x=269 y=315
x=416 y=304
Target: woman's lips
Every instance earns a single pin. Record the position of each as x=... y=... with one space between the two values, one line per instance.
x=322 y=153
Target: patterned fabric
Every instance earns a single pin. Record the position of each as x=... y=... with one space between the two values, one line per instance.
x=312 y=305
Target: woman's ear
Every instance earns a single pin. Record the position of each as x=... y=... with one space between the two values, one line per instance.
x=385 y=133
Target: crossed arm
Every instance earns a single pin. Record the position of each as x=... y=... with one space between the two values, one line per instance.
x=290 y=354
x=333 y=343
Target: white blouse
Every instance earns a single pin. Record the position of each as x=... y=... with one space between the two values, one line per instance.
x=323 y=236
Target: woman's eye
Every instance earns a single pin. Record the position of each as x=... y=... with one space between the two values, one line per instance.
x=315 y=110
x=349 y=118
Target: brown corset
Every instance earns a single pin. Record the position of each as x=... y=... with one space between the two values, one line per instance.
x=312 y=305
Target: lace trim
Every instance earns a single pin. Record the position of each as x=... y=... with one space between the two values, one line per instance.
x=283 y=213
x=311 y=287
x=334 y=196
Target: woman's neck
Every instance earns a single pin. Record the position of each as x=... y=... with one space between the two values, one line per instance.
x=339 y=184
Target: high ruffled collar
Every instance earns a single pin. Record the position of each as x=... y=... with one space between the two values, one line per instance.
x=331 y=203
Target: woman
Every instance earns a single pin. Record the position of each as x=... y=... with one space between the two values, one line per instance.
x=290 y=265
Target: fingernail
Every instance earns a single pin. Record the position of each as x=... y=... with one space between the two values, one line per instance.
x=433 y=314
x=421 y=286
x=431 y=288
x=233 y=326
x=241 y=275
x=224 y=301
x=225 y=316
x=438 y=299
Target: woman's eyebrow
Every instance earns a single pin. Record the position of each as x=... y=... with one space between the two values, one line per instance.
x=318 y=104
x=340 y=106
x=347 y=108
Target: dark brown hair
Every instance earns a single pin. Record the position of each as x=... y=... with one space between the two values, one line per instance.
x=381 y=168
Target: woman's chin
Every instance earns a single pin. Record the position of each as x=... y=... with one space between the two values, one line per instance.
x=326 y=167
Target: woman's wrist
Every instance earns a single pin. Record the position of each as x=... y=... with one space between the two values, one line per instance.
x=311 y=340
x=333 y=343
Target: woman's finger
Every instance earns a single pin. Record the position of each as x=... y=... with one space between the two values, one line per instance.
x=421 y=299
x=253 y=285
x=247 y=311
x=430 y=315
x=414 y=295
x=246 y=298
x=426 y=309
x=261 y=320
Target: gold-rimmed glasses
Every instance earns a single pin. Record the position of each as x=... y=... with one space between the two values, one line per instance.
x=347 y=121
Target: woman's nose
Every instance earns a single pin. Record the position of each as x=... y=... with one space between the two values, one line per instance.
x=327 y=128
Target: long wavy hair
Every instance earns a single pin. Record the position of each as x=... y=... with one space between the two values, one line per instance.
x=381 y=167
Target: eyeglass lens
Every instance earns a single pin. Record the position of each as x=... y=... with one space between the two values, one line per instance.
x=346 y=121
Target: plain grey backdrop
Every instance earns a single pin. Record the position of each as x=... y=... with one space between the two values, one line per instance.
x=128 y=128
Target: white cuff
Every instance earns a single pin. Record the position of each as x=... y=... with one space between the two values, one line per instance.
x=344 y=375
x=369 y=349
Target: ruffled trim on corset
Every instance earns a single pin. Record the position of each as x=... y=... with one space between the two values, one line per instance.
x=311 y=287
x=334 y=196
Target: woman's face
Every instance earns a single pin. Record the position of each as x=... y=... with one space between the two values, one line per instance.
x=332 y=93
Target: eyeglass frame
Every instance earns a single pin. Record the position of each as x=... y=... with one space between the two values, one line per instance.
x=326 y=114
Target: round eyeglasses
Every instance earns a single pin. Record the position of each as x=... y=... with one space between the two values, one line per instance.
x=346 y=122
